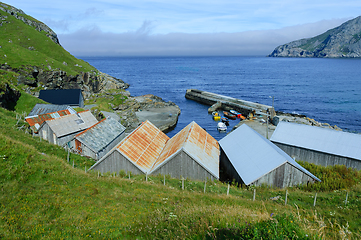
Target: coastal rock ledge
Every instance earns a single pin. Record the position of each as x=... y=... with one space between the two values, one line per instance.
x=340 y=42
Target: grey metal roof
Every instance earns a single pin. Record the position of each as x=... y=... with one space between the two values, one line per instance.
x=319 y=139
x=41 y=108
x=72 y=123
x=101 y=134
x=253 y=156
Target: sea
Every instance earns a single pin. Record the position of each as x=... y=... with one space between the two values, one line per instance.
x=327 y=90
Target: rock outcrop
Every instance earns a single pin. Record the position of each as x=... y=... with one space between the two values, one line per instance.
x=89 y=82
x=8 y=96
x=340 y=42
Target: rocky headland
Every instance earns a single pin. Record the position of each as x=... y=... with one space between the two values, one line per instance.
x=57 y=69
x=340 y=42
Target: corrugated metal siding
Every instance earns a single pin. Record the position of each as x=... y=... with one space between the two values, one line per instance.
x=318 y=139
x=319 y=158
x=144 y=145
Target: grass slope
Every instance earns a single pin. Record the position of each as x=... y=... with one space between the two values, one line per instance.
x=43 y=196
x=22 y=47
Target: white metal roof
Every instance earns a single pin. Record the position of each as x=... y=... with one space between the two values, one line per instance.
x=253 y=156
x=319 y=139
x=72 y=123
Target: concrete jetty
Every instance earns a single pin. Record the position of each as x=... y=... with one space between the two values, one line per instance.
x=218 y=101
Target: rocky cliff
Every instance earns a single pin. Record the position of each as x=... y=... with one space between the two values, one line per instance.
x=52 y=67
x=342 y=41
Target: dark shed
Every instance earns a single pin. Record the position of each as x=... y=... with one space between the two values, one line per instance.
x=71 y=97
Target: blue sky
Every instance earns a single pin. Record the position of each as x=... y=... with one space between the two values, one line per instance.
x=185 y=27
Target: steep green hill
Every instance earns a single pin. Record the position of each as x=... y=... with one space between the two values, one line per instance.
x=24 y=47
x=342 y=41
x=31 y=59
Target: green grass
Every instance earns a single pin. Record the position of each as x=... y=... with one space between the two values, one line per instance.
x=103 y=100
x=43 y=196
x=22 y=47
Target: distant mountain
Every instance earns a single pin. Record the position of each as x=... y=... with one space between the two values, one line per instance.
x=340 y=42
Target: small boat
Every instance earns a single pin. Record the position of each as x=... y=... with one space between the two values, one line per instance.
x=229 y=115
x=233 y=112
x=239 y=115
x=216 y=116
x=221 y=127
x=225 y=121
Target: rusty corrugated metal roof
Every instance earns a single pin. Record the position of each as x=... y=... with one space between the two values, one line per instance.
x=173 y=145
x=194 y=140
x=144 y=145
x=36 y=121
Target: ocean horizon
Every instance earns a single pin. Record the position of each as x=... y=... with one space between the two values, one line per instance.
x=327 y=90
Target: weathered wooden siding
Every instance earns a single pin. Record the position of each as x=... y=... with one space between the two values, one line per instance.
x=285 y=175
x=227 y=171
x=182 y=165
x=319 y=158
x=115 y=162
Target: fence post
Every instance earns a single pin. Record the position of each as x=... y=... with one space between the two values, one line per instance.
x=68 y=155
x=228 y=190
x=205 y=184
x=286 y=197
x=182 y=183
x=314 y=201
x=164 y=180
x=129 y=175
x=254 y=194
x=73 y=163
x=346 y=198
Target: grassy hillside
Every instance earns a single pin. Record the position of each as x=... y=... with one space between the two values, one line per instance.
x=22 y=47
x=43 y=196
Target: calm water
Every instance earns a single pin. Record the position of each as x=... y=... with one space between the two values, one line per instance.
x=328 y=90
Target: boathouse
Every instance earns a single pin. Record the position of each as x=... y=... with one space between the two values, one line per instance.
x=99 y=139
x=322 y=146
x=61 y=130
x=35 y=121
x=250 y=159
x=192 y=153
x=71 y=97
